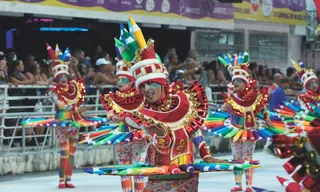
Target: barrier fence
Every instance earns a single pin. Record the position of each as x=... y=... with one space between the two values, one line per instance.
x=20 y=102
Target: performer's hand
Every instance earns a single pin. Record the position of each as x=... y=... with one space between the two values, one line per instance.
x=225 y=107
x=117 y=119
x=213 y=160
x=83 y=109
x=159 y=129
x=269 y=123
x=200 y=68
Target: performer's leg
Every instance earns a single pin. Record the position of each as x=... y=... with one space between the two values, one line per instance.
x=237 y=149
x=123 y=157
x=248 y=149
x=138 y=183
x=73 y=140
x=62 y=137
x=138 y=155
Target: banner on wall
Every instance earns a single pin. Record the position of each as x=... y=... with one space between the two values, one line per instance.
x=291 y=12
x=192 y=9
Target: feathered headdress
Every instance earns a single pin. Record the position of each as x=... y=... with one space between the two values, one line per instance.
x=139 y=55
x=237 y=65
x=306 y=75
x=59 y=61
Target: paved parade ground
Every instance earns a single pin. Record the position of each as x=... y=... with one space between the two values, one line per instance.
x=264 y=177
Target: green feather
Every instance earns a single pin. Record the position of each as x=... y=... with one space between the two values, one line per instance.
x=224 y=62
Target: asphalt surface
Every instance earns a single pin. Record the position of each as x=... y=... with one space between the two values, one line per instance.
x=264 y=177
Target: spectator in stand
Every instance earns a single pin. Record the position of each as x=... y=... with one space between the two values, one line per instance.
x=73 y=69
x=3 y=70
x=191 y=77
x=3 y=81
x=220 y=73
x=11 y=55
x=293 y=79
x=261 y=75
x=34 y=73
x=171 y=50
x=276 y=82
x=208 y=67
x=278 y=96
x=253 y=70
x=269 y=75
x=100 y=55
x=192 y=54
x=30 y=60
x=96 y=53
x=79 y=55
x=104 y=75
x=178 y=72
x=46 y=72
x=174 y=66
x=16 y=75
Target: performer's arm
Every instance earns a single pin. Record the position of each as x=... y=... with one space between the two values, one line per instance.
x=266 y=117
x=60 y=104
x=161 y=139
x=201 y=145
x=114 y=117
x=110 y=115
x=203 y=148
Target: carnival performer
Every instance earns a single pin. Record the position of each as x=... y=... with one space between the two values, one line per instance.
x=67 y=96
x=311 y=93
x=171 y=116
x=303 y=114
x=243 y=101
x=127 y=99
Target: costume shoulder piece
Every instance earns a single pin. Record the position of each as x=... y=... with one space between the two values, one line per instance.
x=71 y=94
x=254 y=100
x=185 y=108
x=308 y=98
x=121 y=102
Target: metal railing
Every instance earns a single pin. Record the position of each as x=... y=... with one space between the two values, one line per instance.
x=14 y=138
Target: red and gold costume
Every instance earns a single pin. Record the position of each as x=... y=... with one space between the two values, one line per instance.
x=118 y=104
x=239 y=120
x=309 y=96
x=68 y=119
x=180 y=111
x=303 y=114
x=309 y=100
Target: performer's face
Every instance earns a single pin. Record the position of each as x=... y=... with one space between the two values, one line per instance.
x=313 y=85
x=63 y=80
x=123 y=83
x=239 y=85
x=152 y=91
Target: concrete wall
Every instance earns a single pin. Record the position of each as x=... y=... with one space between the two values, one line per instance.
x=294 y=41
x=49 y=161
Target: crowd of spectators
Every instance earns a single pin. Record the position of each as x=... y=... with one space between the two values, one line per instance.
x=99 y=69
